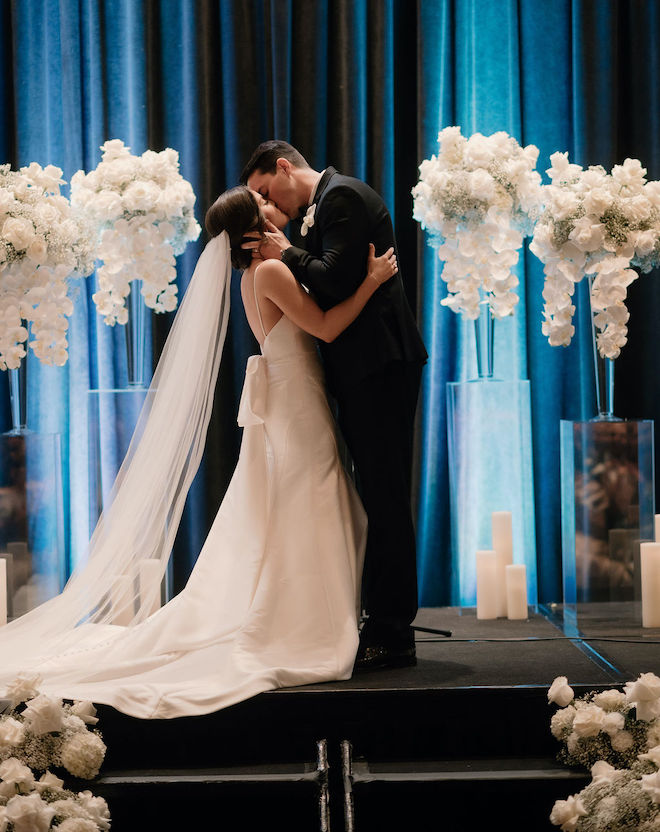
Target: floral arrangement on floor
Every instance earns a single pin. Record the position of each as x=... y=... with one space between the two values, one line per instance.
x=599 y=224
x=42 y=243
x=616 y=735
x=39 y=733
x=142 y=209
x=478 y=197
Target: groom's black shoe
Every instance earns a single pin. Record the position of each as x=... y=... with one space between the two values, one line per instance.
x=383 y=647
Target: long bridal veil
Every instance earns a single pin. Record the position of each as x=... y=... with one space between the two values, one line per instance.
x=150 y=490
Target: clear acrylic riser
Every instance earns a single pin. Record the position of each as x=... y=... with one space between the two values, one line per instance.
x=607 y=508
x=31 y=518
x=490 y=469
x=112 y=417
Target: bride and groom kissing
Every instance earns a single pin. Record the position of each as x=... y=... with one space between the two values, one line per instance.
x=274 y=596
x=372 y=369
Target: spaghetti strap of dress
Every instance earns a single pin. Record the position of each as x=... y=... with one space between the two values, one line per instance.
x=254 y=285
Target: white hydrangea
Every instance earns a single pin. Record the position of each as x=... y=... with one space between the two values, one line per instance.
x=478 y=198
x=42 y=242
x=82 y=754
x=595 y=224
x=143 y=211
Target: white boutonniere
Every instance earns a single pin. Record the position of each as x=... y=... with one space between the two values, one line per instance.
x=308 y=220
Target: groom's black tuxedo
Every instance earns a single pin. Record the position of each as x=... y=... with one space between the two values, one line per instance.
x=350 y=215
x=373 y=369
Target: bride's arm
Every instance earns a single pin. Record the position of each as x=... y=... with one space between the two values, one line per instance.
x=277 y=283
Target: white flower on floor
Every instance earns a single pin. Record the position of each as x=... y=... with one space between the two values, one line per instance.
x=96 y=808
x=603 y=772
x=29 y=813
x=612 y=722
x=77 y=825
x=610 y=700
x=14 y=773
x=43 y=714
x=644 y=694
x=82 y=754
x=12 y=732
x=560 y=692
x=566 y=813
x=561 y=723
x=49 y=781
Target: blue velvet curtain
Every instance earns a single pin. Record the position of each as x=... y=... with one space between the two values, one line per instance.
x=364 y=85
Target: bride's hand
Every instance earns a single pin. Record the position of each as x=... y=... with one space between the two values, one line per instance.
x=269 y=245
x=381 y=268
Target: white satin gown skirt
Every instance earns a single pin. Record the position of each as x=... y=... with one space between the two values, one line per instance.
x=273 y=598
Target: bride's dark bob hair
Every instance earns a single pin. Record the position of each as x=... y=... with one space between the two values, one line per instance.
x=236 y=212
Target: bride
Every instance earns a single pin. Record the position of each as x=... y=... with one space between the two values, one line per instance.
x=272 y=600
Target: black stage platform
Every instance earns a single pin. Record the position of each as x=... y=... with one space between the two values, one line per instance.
x=463 y=736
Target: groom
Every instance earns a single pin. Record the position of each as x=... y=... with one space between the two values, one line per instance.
x=373 y=370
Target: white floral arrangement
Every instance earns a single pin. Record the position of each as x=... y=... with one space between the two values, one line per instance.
x=478 y=197
x=599 y=224
x=616 y=735
x=39 y=733
x=143 y=211
x=42 y=243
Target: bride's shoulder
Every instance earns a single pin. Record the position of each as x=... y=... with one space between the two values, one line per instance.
x=272 y=270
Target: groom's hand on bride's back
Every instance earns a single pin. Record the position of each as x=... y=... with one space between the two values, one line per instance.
x=268 y=245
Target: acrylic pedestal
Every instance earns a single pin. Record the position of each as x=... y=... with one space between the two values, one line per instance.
x=607 y=507
x=112 y=417
x=490 y=469
x=31 y=518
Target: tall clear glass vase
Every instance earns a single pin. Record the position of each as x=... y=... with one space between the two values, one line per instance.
x=607 y=507
x=32 y=506
x=490 y=465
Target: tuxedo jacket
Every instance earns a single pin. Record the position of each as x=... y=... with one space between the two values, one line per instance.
x=349 y=215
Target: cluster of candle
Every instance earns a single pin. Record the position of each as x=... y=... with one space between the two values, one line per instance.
x=501 y=583
x=649 y=557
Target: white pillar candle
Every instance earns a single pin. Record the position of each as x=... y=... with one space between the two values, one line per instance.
x=121 y=598
x=657 y=528
x=502 y=531
x=3 y=591
x=150 y=580
x=516 y=591
x=650 y=569
x=487 y=594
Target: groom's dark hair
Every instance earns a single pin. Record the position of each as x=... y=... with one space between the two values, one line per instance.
x=264 y=159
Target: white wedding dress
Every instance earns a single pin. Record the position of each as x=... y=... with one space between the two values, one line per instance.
x=272 y=600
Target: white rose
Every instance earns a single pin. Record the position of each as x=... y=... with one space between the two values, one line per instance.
x=560 y=692
x=587 y=235
x=644 y=693
x=46 y=212
x=29 y=814
x=566 y=813
x=644 y=242
x=37 y=251
x=82 y=755
x=564 y=204
x=588 y=721
x=86 y=711
x=19 y=232
x=108 y=205
x=613 y=722
x=77 y=825
x=651 y=785
x=13 y=772
x=49 y=781
x=622 y=741
x=603 y=772
x=482 y=185
x=43 y=714
x=141 y=196
x=96 y=808
x=114 y=148
x=12 y=732
x=610 y=700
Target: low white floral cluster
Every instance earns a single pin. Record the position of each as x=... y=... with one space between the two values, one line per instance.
x=143 y=211
x=599 y=224
x=478 y=197
x=615 y=734
x=41 y=243
x=39 y=733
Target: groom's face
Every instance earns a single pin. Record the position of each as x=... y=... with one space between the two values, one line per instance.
x=281 y=188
